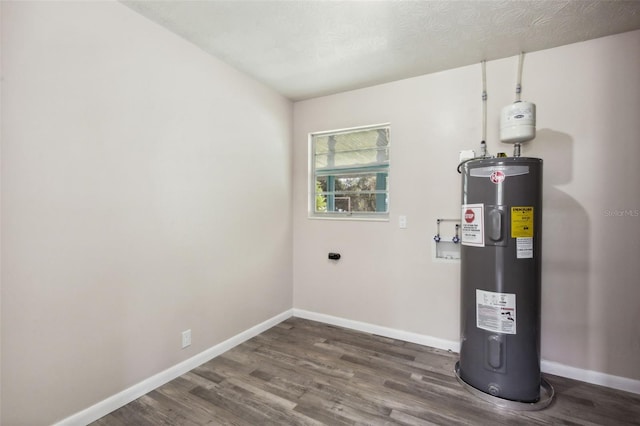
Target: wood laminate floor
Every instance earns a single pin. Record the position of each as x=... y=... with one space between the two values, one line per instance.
x=302 y=372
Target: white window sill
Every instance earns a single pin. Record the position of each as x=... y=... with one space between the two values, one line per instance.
x=351 y=218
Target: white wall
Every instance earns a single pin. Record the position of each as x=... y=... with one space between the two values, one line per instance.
x=146 y=189
x=588 y=100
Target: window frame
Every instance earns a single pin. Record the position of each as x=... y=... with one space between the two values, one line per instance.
x=357 y=216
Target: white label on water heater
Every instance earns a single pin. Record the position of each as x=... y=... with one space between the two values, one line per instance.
x=472 y=225
x=524 y=248
x=496 y=312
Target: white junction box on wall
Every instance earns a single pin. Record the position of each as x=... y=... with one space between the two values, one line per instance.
x=465 y=155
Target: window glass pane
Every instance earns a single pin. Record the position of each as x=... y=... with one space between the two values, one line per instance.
x=350 y=172
x=320 y=202
x=356 y=182
x=352 y=149
x=364 y=192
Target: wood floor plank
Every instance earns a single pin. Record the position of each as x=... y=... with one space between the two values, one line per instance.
x=408 y=419
x=302 y=372
x=125 y=416
x=180 y=390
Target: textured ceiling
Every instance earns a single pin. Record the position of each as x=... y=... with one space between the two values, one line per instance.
x=305 y=49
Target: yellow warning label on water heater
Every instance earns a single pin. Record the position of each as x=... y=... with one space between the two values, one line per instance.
x=521 y=222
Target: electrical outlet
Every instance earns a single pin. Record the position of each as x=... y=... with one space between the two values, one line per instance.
x=186 y=338
x=402 y=222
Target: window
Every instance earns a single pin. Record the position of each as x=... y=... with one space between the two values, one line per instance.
x=350 y=173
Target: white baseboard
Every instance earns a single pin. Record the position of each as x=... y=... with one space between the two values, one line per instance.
x=590 y=376
x=120 y=399
x=393 y=333
x=594 y=377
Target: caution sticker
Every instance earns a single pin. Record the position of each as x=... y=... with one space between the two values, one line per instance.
x=496 y=312
x=521 y=222
x=473 y=225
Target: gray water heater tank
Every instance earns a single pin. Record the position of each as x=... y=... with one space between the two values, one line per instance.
x=500 y=255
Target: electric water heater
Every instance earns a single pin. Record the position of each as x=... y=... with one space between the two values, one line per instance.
x=500 y=277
